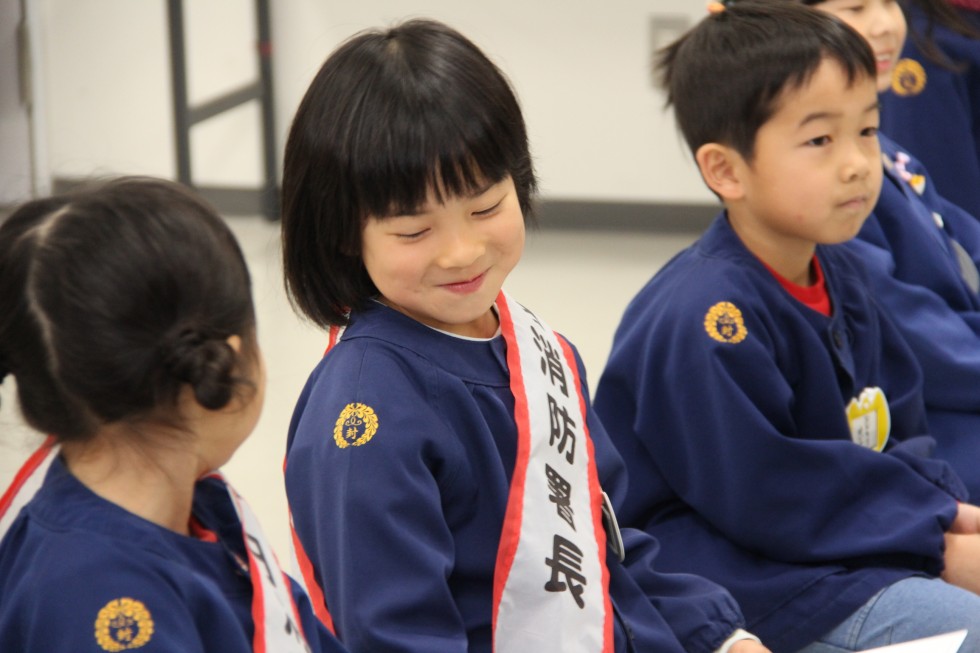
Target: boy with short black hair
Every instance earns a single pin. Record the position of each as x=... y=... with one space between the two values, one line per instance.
x=769 y=413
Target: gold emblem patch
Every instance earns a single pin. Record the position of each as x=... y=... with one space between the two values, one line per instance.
x=908 y=78
x=724 y=323
x=123 y=624
x=356 y=425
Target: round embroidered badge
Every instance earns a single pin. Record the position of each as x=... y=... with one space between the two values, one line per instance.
x=908 y=78
x=356 y=425
x=123 y=624
x=724 y=323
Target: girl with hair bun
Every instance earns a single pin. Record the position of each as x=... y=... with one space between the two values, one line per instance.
x=126 y=319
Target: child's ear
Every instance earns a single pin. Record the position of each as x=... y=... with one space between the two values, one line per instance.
x=720 y=167
x=235 y=342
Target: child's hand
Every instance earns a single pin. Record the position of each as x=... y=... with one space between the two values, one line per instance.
x=967 y=519
x=963 y=560
x=748 y=646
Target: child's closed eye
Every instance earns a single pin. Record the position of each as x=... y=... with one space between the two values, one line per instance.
x=489 y=211
x=845 y=6
x=412 y=236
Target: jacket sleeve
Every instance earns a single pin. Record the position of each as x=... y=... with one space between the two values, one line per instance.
x=320 y=639
x=113 y=604
x=701 y=614
x=945 y=341
x=354 y=506
x=718 y=423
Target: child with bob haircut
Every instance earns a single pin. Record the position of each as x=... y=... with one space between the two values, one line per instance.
x=447 y=431
x=126 y=319
x=769 y=413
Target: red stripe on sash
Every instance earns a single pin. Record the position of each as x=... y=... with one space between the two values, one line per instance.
x=510 y=535
x=25 y=472
x=267 y=637
x=333 y=336
x=313 y=588
x=595 y=491
x=258 y=606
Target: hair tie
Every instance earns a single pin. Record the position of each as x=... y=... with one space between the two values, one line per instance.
x=715 y=8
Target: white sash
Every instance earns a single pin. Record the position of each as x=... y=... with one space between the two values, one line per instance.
x=551 y=584
x=277 y=623
x=278 y=628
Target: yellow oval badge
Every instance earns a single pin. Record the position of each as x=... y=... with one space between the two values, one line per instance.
x=908 y=78
x=724 y=323
x=123 y=624
x=356 y=425
x=870 y=419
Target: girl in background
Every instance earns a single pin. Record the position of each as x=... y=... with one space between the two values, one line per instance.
x=126 y=319
x=933 y=107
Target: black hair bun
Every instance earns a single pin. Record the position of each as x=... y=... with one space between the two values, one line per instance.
x=207 y=365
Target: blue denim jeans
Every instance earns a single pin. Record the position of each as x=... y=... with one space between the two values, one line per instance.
x=911 y=608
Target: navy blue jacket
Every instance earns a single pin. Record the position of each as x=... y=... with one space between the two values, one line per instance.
x=921 y=252
x=727 y=399
x=78 y=573
x=403 y=527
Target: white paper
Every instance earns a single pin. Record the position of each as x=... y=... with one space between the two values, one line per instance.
x=948 y=643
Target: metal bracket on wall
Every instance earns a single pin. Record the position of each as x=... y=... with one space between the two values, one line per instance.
x=186 y=116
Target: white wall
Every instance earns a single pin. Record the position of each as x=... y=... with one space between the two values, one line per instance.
x=581 y=70
x=107 y=83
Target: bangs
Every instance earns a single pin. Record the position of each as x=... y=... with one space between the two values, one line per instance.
x=432 y=112
x=419 y=151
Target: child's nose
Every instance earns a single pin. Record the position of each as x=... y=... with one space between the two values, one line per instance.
x=462 y=247
x=880 y=21
x=857 y=164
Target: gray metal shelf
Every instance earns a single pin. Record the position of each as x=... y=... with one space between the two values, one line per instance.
x=186 y=116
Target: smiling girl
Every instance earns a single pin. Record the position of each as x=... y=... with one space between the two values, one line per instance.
x=445 y=472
